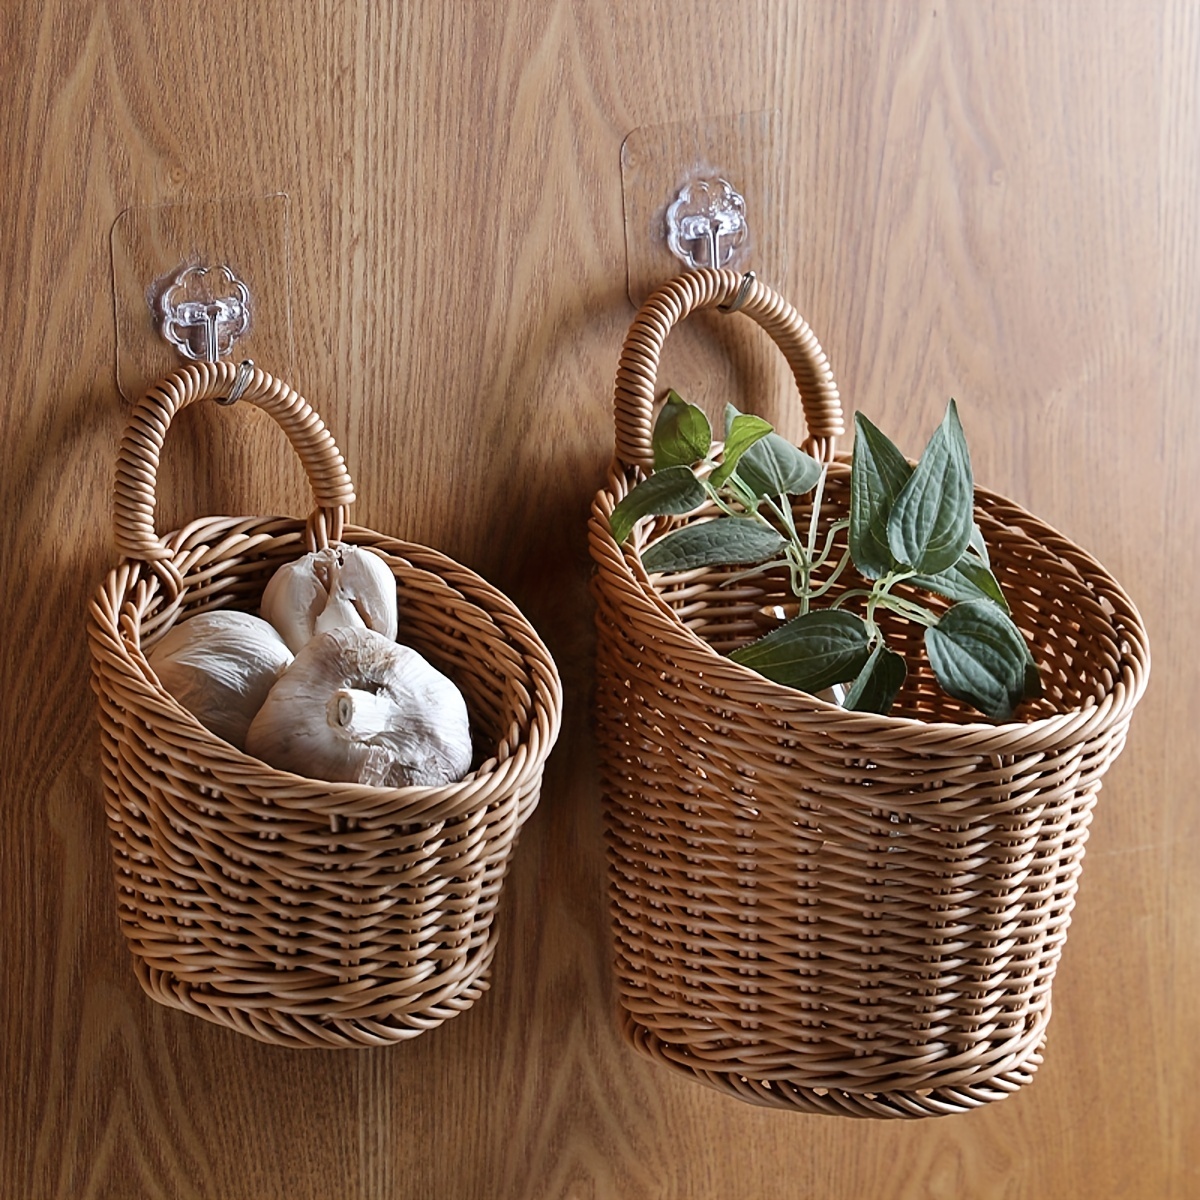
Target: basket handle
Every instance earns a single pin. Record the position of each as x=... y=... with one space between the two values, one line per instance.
x=706 y=288
x=141 y=447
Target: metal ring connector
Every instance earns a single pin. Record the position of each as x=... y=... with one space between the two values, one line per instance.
x=743 y=294
x=241 y=382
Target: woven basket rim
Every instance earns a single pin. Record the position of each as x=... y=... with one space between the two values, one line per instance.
x=395 y=805
x=1119 y=699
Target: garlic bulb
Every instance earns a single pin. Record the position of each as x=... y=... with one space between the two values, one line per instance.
x=356 y=707
x=220 y=667
x=339 y=585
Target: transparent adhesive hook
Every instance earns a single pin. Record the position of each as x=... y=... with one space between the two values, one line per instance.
x=706 y=224
x=203 y=311
x=153 y=245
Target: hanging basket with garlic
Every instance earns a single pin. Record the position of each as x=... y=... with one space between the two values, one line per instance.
x=855 y=904
x=319 y=745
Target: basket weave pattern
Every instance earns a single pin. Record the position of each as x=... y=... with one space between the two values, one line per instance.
x=829 y=911
x=300 y=912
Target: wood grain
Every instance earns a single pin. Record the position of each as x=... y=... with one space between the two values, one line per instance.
x=994 y=201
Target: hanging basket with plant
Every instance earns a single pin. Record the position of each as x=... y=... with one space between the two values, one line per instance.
x=853 y=718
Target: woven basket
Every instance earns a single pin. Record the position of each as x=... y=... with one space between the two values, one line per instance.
x=299 y=912
x=828 y=911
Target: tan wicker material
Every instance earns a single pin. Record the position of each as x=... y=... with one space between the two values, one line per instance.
x=827 y=911
x=299 y=912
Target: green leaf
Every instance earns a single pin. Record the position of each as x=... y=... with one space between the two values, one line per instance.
x=682 y=434
x=968 y=579
x=931 y=522
x=1033 y=680
x=979 y=546
x=671 y=492
x=979 y=656
x=774 y=467
x=878 y=682
x=878 y=474
x=719 y=542
x=810 y=652
x=731 y=415
x=744 y=431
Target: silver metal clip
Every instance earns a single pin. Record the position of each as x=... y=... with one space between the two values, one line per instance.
x=241 y=381
x=204 y=311
x=743 y=294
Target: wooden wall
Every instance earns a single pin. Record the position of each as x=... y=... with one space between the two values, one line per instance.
x=995 y=201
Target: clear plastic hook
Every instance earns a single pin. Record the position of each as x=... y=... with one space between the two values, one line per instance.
x=706 y=224
x=203 y=311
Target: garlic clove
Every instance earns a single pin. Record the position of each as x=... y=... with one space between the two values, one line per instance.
x=338 y=613
x=338 y=585
x=220 y=666
x=356 y=707
x=292 y=601
x=366 y=582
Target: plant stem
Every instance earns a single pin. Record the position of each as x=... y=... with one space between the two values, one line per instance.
x=757 y=569
x=783 y=511
x=799 y=574
x=798 y=561
x=747 y=501
x=843 y=563
x=716 y=497
x=853 y=594
x=808 y=553
x=880 y=595
x=827 y=550
x=907 y=608
x=818 y=496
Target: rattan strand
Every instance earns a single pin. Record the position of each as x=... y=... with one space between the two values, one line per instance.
x=834 y=912
x=295 y=911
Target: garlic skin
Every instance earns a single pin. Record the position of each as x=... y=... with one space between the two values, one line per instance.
x=341 y=585
x=357 y=707
x=220 y=666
